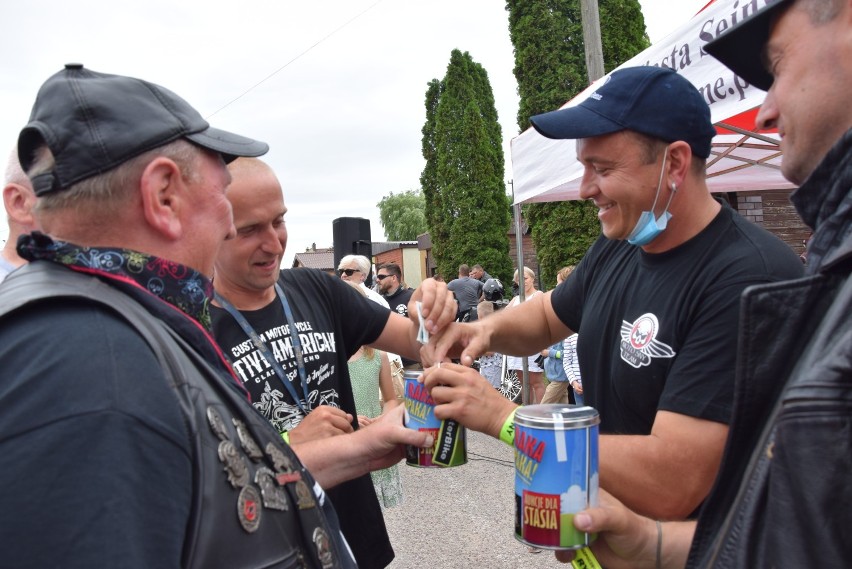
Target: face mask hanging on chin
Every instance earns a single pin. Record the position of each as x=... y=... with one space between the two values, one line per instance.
x=647 y=226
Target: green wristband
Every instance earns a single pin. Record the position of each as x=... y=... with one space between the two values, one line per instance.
x=286 y=436
x=507 y=433
x=585 y=559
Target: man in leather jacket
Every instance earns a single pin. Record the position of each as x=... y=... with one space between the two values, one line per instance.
x=782 y=497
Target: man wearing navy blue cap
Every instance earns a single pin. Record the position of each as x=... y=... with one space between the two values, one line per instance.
x=655 y=300
x=782 y=498
x=127 y=441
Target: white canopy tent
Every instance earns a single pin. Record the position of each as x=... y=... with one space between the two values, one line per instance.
x=546 y=170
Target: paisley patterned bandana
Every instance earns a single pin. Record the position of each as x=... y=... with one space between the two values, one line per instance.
x=174 y=283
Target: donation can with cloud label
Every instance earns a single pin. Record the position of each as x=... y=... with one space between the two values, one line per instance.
x=556 y=473
x=450 y=448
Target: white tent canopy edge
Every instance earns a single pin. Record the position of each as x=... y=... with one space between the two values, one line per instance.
x=741 y=159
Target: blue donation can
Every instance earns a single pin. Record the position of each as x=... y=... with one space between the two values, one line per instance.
x=556 y=473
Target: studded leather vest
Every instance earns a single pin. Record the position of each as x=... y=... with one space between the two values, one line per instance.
x=254 y=504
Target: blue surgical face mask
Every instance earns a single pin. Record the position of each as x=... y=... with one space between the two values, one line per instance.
x=649 y=227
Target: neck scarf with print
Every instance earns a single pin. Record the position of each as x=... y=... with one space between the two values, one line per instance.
x=172 y=282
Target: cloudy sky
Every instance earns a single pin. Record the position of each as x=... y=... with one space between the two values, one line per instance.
x=336 y=87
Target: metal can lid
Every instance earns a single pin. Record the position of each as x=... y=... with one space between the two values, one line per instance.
x=557 y=416
x=412 y=374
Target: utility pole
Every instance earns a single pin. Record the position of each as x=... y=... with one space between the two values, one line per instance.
x=590 y=16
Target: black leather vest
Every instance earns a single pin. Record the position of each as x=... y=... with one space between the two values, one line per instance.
x=253 y=502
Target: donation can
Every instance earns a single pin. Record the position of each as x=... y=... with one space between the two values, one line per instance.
x=450 y=447
x=556 y=473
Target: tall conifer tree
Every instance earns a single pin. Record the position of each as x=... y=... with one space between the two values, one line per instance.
x=550 y=68
x=467 y=210
x=429 y=176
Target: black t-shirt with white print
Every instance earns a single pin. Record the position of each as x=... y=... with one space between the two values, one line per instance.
x=659 y=331
x=333 y=321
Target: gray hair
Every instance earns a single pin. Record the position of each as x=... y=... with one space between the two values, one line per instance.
x=362 y=262
x=106 y=193
x=14 y=173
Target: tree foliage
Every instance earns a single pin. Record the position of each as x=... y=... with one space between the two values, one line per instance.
x=429 y=176
x=467 y=211
x=550 y=67
x=403 y=215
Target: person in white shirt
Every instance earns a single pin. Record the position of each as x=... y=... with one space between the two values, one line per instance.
x=356 y=268
x=18 y=199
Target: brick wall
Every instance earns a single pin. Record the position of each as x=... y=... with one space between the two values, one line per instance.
x=530 y=257
x=392 y=256
x=773 y=211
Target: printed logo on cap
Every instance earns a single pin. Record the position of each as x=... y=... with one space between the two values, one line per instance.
x=597 y=96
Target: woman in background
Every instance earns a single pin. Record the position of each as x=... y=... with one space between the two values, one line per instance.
x=372 y=386
x=554 y=357
x=513 y=362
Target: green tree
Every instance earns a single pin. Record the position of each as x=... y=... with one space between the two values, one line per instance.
x=550 y=68
x=467 y=210
x=429 y=176
x=403 y=215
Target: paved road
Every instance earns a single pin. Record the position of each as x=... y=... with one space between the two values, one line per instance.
x=462 y=517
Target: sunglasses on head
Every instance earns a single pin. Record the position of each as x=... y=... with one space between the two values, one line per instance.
x=380 y=277
x=347 y=271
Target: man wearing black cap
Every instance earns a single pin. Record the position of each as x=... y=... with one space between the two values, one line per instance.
x=782 y=498
x=126 y=439
x=655 y=300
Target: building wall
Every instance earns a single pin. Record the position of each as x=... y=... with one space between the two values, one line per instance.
x=392 y=256
x=772 y=210
x=409 y=261
x=411 y=271
x=424 y=262
x=530 y=257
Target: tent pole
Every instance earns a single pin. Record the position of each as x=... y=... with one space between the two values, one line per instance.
x=519 y=247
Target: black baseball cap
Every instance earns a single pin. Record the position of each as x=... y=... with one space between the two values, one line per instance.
x=741 y=48
x=92 y=122
x=654 y=101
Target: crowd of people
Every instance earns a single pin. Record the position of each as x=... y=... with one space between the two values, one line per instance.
x=173 y=392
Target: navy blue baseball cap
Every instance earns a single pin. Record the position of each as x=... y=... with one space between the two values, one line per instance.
x=93 y=122
x=654 y=101
x=741 y=48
